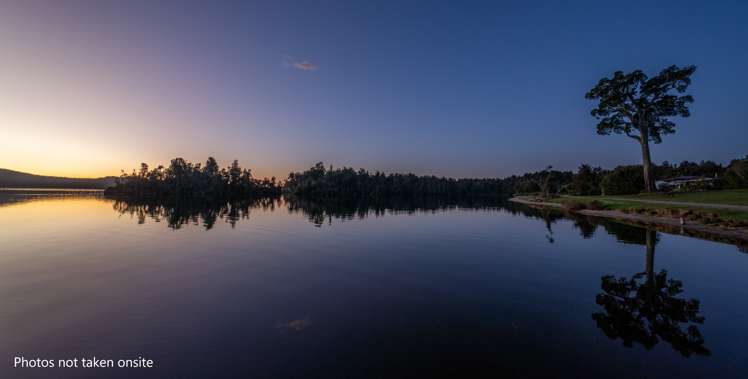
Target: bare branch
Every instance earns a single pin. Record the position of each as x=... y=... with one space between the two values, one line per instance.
x=633 y=136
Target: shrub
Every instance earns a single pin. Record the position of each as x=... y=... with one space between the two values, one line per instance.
x=527 y=187
x=736 y=175
x=624 y=180
x=586 y=181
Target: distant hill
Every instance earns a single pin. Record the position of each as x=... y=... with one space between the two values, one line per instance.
x=15 y=179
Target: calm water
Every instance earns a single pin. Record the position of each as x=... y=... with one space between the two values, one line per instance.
x=277 y=289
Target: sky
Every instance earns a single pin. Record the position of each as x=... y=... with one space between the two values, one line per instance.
x=460 y=88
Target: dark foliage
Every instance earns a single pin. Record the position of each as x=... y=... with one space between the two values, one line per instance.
x=320 y=183
x=552 y=181
x=623 y=180
x=586 y=181
x=641 y=107
x=633 y=103
x=184 y=180
x=626 y=179
x=736 y=175
x=704 y=168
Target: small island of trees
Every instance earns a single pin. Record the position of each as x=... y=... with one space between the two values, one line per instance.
x=185 y=180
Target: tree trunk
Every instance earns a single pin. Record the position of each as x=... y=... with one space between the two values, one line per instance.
x=650 y=284
x=649 y=185
x=651 y=237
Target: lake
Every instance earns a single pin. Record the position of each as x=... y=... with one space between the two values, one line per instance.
x=424 y=289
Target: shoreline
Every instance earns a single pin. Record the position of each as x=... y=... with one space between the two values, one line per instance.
x=664 y=224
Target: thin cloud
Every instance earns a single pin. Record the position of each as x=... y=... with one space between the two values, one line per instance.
x=300 y=65
x=305 y=66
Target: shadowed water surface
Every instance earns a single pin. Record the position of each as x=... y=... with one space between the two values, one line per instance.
x=428 y=288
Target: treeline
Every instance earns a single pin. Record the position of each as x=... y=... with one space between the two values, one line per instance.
x=185 y=180
x=320 y=182
x=630 y=180
x=324 y=183
x=209 y=182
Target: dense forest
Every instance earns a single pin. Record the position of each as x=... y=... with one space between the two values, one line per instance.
x=324 y=183
x=321 y=182
x=185 y=180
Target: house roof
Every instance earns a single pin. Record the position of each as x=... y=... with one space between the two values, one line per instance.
x=686 y=178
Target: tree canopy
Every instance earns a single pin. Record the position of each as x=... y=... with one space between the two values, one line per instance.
x=641 y=107
x=322 y=182
x=629 y=101
x=185 y=180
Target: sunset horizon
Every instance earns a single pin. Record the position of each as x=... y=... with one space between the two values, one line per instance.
x=91 y=89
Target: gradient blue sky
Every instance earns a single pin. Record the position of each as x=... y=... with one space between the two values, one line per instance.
x=447 y=88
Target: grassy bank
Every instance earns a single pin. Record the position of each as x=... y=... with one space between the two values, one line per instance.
x=730 y=197
x=692 y=212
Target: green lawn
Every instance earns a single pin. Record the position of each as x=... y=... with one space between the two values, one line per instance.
x=735 y=197
x=628 y=202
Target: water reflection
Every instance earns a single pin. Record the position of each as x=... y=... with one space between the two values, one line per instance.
x=184 y=213
x=323 y=213
x=586 y=227
x=18 y=196
x=475 y=289
x=645 y=308
x=179 y=214
x=320 y=213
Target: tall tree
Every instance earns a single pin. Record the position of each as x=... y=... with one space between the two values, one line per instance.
x=547 y=183
x=641 y=107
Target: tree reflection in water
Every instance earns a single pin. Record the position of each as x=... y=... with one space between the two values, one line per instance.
x=323 y=212
x=178 y=214
x=645 y=308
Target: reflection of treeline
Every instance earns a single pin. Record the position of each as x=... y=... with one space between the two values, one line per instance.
x=185 y=180
x=549 y=215
x=321 y=182
x=179 y=213
x=319 y=212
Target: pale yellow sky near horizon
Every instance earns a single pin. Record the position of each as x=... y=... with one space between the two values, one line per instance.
x=73 y=106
